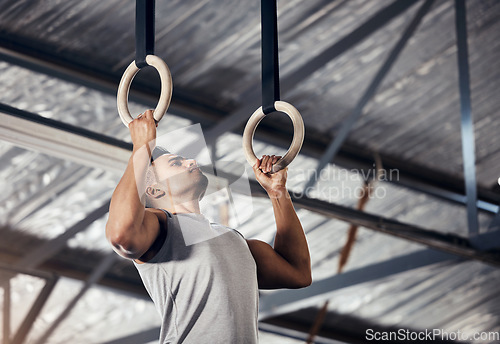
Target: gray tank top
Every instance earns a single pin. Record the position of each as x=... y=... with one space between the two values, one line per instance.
x=205 y=290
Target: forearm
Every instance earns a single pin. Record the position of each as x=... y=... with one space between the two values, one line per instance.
x=126 y=210
x=290 y=240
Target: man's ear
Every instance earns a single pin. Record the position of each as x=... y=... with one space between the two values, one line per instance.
x=155 y=192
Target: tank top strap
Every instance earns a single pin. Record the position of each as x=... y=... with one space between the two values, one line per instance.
x=166 y=212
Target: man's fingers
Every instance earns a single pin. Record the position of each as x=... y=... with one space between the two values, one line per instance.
x=256 y=165
x=267 y=162
x=271 y=162
x=256 y=169
x=148 y=114
x=264 y=163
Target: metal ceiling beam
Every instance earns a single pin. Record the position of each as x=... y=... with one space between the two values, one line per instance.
x=306 y=205
x=411 y=176
x=12 y=270
x=6 y=313
x=49 y=249
x=98 y=272
x=445 y=242
x=495 y=223
x=62 y=140
x=124 y=284
x=35 y=309
x=287 y=301
x=352 y=118
x=44 y=252
x=494 y=242
x=294 y=334
x=51 y=191
x=467 y=124
x=153 y=335
x=469 y=304
x=31 y=55
x=39 y=58
x=67 y=142
x=26 y=264
x=129 y=284
x=142 y=337
x=288 y=81
x=416 y=177
x=342 y=327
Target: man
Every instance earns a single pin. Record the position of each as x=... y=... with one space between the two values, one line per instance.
x=205 y=291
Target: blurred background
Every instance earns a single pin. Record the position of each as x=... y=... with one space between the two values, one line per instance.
x=377 y=82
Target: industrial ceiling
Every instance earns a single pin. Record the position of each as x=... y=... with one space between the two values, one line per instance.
x=377 y=83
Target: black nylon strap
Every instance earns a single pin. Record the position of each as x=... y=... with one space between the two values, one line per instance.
x=270 y=63
x=144 y=31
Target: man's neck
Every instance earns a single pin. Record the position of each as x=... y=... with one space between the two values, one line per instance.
x=181 y=208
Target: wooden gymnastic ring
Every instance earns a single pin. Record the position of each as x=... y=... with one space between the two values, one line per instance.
x=126 y=81
x=298 y=135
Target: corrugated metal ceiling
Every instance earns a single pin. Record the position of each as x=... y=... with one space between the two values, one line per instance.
x=213 y=51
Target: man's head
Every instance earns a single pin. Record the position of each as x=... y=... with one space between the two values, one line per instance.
x=173 y=179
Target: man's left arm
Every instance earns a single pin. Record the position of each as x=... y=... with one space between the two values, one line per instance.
x=288 y=264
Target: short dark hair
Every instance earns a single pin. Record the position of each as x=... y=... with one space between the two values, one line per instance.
x=158 y=151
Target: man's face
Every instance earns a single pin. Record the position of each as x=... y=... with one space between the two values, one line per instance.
x=181 y=175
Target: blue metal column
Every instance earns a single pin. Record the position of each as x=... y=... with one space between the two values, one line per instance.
x=468 y=145
x=341 y=136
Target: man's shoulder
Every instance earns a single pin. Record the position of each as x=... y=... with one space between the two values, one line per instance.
x=160 y=213
x=228 y=229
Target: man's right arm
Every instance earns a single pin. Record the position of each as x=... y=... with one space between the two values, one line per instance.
x=131 y=229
